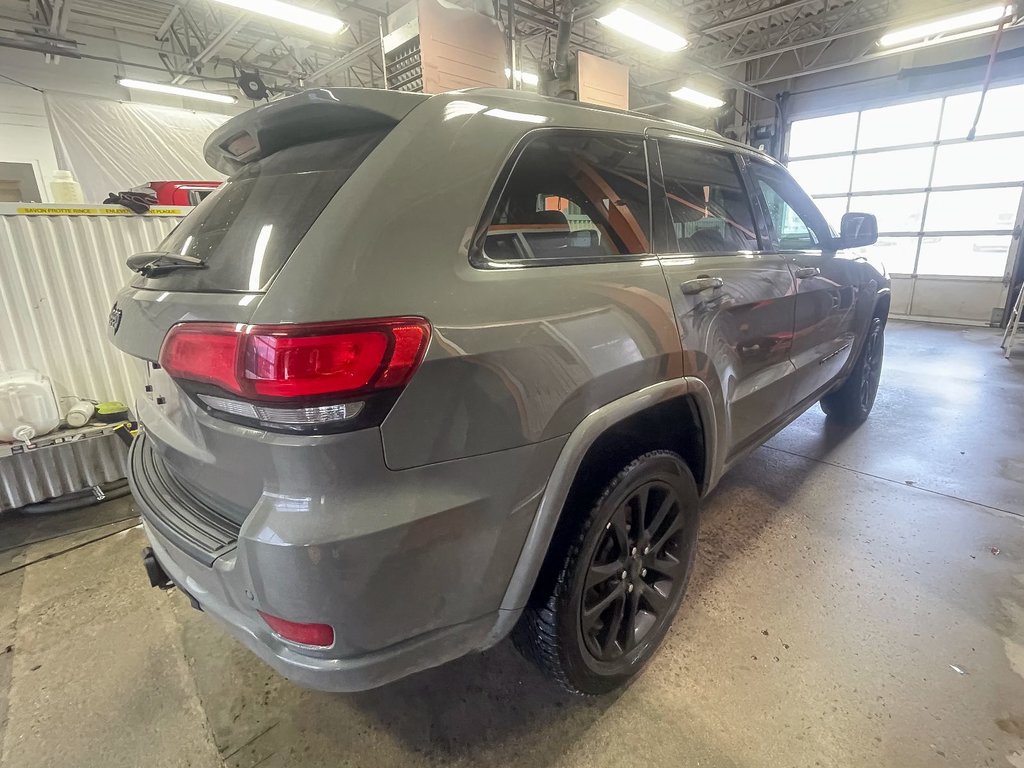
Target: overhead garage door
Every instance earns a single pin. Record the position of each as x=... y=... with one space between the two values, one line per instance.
x=947 y=207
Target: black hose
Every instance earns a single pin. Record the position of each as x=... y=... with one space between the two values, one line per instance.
x=78 y=499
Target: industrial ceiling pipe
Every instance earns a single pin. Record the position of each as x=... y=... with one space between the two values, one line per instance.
x=558 y=79
x=513 y=41
x=565 y=19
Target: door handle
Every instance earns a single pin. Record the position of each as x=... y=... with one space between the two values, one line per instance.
x=802 y=272
x=699 y=284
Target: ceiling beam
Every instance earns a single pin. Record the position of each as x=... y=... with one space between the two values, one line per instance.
x=772 y=49
x=370 y=46
x=850 y=62
x=213 y=47
x=718 y=27
x=165 y=25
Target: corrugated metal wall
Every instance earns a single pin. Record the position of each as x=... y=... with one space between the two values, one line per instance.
x=58 y=277
x=53 y=471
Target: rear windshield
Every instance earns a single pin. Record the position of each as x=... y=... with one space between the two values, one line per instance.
x=246 y=230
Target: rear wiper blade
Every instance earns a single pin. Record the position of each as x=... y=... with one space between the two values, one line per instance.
x=155 y=263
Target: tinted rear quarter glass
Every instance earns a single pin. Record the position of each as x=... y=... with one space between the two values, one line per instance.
x=246 y=230
x=573 y=196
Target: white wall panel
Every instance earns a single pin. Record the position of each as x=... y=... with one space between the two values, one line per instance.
x=58 y=277
x=902 y=292
x=976 y=299
x=25 y=134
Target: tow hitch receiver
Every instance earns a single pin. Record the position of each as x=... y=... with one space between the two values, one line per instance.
x=157 y=575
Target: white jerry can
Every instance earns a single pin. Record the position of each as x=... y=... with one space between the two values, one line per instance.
x=28 y=406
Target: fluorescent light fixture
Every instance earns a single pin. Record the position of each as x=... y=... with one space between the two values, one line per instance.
x=988 y=15
x=175 y=90
x=698 y=98
x=632 y=24
x=940 y=40
x=527 y=78
x=293 y=14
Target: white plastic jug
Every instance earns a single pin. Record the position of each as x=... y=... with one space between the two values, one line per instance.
x=65 y=189
x=28 y=406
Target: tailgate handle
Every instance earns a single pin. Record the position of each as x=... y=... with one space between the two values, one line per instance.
x=803 y=272
x=703 y=283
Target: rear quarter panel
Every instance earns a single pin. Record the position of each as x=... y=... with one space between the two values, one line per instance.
x=517 y=355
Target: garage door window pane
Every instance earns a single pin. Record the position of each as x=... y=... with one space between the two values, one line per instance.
x=823 y=135
x=899 y=169
x=832 y=208
x=825 y=176
x=975 y=256
x=980 y=162
x=895 y=213
x=973 y=209
x=913 y=123
x=896 y=254
x=1001 y=113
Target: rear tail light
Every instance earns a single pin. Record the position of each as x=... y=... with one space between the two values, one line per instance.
x=307 y=634
x=297 y=377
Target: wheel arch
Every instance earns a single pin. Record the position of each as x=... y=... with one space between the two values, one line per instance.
x=883 y=300
x=599 y=438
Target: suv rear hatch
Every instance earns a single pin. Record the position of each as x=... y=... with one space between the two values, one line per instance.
x=192 y=300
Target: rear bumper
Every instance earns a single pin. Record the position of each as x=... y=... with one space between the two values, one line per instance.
x=353 y=673
x=409 y=568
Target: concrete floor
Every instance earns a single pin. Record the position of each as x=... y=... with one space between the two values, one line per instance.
x=859 y=601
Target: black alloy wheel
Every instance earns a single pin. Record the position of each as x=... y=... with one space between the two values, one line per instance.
x=852 y=402
x=871 y=372
x=634 y=571
x=620 y=579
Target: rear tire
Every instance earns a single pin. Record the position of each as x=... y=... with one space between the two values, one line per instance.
x=852 y=402
x=620 y=582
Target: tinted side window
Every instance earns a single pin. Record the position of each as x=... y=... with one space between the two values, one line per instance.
x=573 y=197
x=709 y=210
x=797 y=222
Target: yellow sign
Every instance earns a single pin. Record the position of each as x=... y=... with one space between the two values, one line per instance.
x=53 y=210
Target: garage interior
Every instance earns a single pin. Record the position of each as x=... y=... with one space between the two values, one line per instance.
x=858 y=597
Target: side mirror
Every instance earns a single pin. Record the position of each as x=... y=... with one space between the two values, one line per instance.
x=857 y=230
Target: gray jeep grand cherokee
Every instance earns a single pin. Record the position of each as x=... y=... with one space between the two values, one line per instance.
x=428 y=371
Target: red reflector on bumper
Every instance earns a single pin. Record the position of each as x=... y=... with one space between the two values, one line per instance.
x=307 y=634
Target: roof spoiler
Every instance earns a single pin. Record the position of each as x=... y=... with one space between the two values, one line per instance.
x=309 y=116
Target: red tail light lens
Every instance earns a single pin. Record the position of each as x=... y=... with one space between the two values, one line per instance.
x=282 y=362
x=307 y=634
x=297 y=366
x=202 y=352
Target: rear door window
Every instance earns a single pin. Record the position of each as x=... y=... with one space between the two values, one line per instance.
x=573 y=197
x=246 y=230
x=707 y=204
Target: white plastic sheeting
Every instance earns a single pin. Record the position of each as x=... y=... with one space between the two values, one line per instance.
x=58 y=277
x=112 y=146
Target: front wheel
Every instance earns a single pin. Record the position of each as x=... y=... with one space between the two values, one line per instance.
x=621 y=582
x=852 y=402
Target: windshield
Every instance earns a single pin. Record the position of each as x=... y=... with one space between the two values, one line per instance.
x=245 y=231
